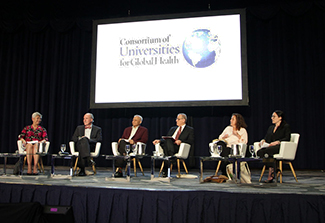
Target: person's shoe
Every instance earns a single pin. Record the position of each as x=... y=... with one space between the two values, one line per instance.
x=34 y=173
x=164 y=174
x=118 y=173
x=82 y=174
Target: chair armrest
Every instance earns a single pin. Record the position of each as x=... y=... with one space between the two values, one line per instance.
x=97 y=150
x=115 y=148
x=72 y=148
x=184 y=150
x=159 y=150
x=287 y=151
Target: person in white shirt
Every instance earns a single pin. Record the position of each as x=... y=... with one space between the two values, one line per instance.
x=233 y=134
x=179 y=133
x=131 y=135
x=85 y=137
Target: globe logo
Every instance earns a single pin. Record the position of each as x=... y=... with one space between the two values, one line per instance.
x=202 y=48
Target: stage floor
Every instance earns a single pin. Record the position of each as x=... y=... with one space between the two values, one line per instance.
x=310 y=182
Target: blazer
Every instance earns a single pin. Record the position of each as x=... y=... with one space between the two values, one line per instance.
x=141 y=134
x=283 y=133
x=186 y=136
x=95 y=135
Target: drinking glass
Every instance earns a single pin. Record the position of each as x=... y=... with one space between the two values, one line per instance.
x=63 y=148
x=251 y=150
x=134 y=149
x=219 y=150
x=127 y=149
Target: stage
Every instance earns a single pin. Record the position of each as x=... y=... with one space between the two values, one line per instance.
x=101 y=198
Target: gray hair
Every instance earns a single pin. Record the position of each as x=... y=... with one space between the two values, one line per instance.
x=35 y=114
x=184 y=116
x=91 y=115
x=139 y=117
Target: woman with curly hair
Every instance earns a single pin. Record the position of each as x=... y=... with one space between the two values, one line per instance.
x=233 y=134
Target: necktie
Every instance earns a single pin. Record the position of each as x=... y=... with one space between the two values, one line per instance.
x=87 y=127
x=178 y=133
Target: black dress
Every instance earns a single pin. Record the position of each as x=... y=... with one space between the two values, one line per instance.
x=283 y=133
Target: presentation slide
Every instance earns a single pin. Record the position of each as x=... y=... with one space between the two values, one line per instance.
x=169 y=62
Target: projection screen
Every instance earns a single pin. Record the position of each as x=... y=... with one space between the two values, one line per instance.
x=196 y=59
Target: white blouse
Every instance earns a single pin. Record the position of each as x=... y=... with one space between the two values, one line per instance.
x=233 y=139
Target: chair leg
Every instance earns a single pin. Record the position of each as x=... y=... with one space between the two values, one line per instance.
x=280 y=167
x=40 y=165
x=140 y=167
x=75 y=166
x=263 y=170
x=179 y=168
x=134 y=167
x=184 y=165
x=161 y=168
x=218 y=167
x=94 y=167
x=293 y=171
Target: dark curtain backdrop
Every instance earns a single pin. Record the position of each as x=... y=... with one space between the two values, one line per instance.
x=45 y=66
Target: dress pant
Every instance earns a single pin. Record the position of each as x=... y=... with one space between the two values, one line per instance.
x=170 y=148
x=83 y=147
x=121 y=148
x=225 y=153
x=270 y=151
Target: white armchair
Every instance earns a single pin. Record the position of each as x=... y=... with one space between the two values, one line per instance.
x=93 y=155
x=22 y=151
x=140 y=146
x=286 y=154
x=183 y=152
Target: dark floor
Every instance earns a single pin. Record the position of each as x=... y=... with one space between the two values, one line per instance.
x=310 y=182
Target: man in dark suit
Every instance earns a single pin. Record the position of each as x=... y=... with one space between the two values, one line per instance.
x=85 y=137
x=180 y=133
x=131 y=136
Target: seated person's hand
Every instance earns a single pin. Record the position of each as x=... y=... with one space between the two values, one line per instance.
x=156 y=141
x=261 y=142
x=131 y=141
x=178 y=142
x=274 y=143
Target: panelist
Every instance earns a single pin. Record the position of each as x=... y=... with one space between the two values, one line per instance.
x=233 y=134
x=131 y=135
x=179 y=133
x=270 y=145
x=85 y=138
x=31 y=136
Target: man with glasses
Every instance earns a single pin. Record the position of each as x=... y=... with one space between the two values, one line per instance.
x=175 y=136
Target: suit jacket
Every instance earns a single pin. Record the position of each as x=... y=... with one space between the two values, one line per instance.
x=95 y=135
x=141 y=134
x=186 y=136
x=283 y=133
